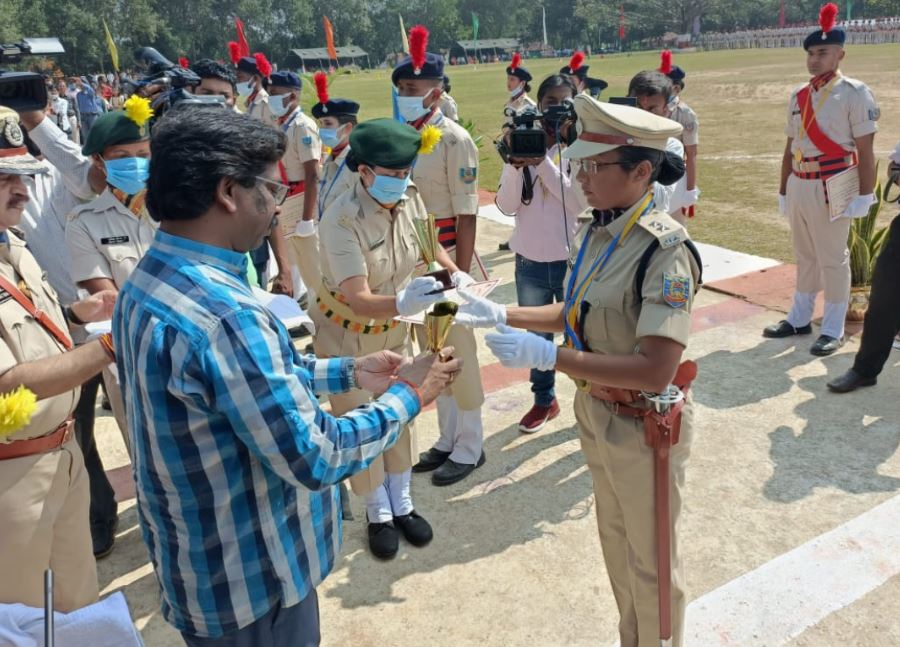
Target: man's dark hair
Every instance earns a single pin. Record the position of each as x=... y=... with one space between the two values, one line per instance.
x=194 y=147
x=650 y=83
x=206 y=68
x=552 y=82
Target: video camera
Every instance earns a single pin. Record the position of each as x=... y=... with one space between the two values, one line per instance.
x=25 y=91
x=529 y=128
x=174 y=80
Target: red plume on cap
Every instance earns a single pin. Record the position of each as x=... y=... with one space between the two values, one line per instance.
x=321 y=81
x=183 y=62
x=827 y=16
x=576 y=61
x=234 y=51
x=418 y=43
x=665 y=62
x=516 y=61
x=262 y=64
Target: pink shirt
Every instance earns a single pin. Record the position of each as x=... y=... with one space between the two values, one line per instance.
x=540 y=231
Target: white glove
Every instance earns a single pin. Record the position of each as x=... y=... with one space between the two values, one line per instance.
x=478 y=312
x=859 y=206
x=521 y=349
x=782 y=204
x=691 y=197
x=305 y=228
x=414 y=298
x=461 y=279
x=895 y=156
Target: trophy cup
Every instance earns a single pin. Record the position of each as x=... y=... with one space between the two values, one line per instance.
x=438 y=323
x=426 y=234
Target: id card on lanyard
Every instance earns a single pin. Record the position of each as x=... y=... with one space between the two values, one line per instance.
x=323 y=195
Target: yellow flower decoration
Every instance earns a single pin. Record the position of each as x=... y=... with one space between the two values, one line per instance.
x=138 y=109
x=431 y=136
x=16 y=409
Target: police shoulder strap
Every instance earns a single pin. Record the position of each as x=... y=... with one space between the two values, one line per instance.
x=40 y=316
x=645 y=262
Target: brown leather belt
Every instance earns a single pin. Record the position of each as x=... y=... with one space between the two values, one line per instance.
x=39 y=445
x=619 y=400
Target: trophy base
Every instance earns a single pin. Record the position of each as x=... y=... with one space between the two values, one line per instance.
x=443 y=276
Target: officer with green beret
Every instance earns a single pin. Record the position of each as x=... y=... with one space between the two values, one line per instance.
x=369 y=252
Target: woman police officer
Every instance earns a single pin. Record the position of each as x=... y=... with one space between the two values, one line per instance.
x=626 y=319
x=369 y=251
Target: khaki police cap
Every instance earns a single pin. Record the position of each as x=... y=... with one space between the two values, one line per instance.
x=14 y=156
x=605 y=126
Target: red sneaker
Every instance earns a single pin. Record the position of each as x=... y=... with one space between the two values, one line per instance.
x=535 y=419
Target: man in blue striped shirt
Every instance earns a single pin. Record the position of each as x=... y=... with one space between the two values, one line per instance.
x=235 y=462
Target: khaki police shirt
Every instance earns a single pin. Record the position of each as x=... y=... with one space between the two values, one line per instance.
x=106 y=240
x=447 y=179
x=336 y=180
x=848 y=112
x=449 y=108
x=683 y=114
x=259 y=108
x=303 y=145
x=359 y=237
x=616 y=321
x=521 y=103
x=23 y=339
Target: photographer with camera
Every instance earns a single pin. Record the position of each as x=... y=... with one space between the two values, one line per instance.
x=538 y=192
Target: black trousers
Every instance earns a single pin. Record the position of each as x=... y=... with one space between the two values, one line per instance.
x=103 y=498
x=883 y=316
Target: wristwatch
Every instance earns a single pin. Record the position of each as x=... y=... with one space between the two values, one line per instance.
x=71 y=317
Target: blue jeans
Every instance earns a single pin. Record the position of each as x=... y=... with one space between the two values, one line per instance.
x=539 y=284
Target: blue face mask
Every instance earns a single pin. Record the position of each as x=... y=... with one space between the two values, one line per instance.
x=128 y=174
x=411 y=108
x=388 y=190
x=330 y=136
x=279 y=104
x=245 y=88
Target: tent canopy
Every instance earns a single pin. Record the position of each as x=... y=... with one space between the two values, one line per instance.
x=490 y=43
x=321 y=53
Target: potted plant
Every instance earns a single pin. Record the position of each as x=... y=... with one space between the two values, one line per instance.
x=865 y=242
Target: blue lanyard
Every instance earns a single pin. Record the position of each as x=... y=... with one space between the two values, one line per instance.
x=287 y=125
x=324 y=196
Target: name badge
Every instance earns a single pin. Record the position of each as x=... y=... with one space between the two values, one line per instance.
x=115 y=240
x=4 y=296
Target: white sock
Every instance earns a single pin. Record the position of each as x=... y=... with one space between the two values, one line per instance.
x=398 y=487
x=833 y=320
x=802 y=310
x=378 y=505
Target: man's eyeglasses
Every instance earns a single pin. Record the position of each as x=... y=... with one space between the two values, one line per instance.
x=278 y=190
x=590 y=167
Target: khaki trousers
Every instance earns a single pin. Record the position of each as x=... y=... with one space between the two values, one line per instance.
x=621 y=467
x=306 y=258
x=823 y=260
x=44 y=502
x=334 y=341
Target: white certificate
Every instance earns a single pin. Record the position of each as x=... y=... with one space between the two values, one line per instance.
x=291 y=214
x=842 y=188
x=482 y=289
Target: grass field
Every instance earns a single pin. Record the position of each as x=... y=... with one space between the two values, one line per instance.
x=740 y=97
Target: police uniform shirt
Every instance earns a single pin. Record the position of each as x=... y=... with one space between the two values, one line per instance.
x=848 y=112
x=616 y=319
x=106 y=240
x=259 y=108
x=447 y=179
x=683 y=114
x=303 y=145
x=449 y=108
x=359 y=237
x=521 y=103
x=336 y=180
x=24 y=339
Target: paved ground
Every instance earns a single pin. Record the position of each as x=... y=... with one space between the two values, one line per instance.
x=775 y=546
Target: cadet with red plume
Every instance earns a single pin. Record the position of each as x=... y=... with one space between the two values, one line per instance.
x=831 y=125
x=577 y=71
x=679 y=111
x=252 y=71
x=518 y=83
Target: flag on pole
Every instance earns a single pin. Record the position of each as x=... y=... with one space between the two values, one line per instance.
x=111 y=45
x=403 y=37
x=329 y=38
x=781 y=15
x=242 y=37
x=474 y=26
x=621 y=22
x=544 y=22
x=849 y=10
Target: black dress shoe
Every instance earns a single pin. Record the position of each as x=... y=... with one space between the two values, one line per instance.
x=430 y=460
x=414 y=527
x=503 y=247
x=384 y=540
x=452 y=472
x=103 y=537
x=784 y=329
x=826 y=345
x=850 y=381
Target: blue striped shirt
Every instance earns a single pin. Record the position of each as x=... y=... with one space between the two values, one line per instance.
x=234 y=461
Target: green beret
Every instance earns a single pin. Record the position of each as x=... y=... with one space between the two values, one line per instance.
x=386 y=143
x=114 y=128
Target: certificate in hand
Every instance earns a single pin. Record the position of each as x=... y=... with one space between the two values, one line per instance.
x=291 y=214
x=842 y=188
x=482 y=289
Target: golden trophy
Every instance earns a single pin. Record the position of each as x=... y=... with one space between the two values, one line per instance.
x=438 y=323
x=427 y=235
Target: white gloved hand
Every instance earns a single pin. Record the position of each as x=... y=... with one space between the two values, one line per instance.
x=859 y=206
x=478 y=312
x=461 y=279
x=895 y=156
x=414 y=298
x=782 y=204
x=691 y=197
x=521 y=349
x=305 y=228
